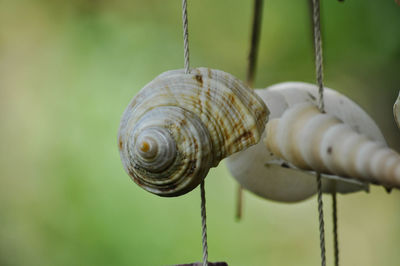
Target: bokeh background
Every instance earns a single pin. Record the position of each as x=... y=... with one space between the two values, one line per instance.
x=69 y=68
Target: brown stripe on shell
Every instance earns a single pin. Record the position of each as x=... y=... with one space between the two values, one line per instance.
x=227 y=109
x=199 y=79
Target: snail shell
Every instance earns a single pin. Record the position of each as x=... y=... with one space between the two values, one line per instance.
x=180 y=125
x=320 y=142
x=396 y=111
x=268 y=176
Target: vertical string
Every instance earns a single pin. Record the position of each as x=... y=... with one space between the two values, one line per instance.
x=335 y=228
x=321 y=221
x=255 y=40
x=318 y=54
x=239 y=202
x=251 y=67
x=319 y=77
x=202 y=189
x=185 y=35
x=203 y=223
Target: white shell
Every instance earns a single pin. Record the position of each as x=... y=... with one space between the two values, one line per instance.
x=180 y=125
x=312 y=140
x=396 y=111
x=270 y=177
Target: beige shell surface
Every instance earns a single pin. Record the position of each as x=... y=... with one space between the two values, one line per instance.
x=271 y=178
x=336 y=104
x=180 y=125
x=268 y=176
x=396 y=111
x=312 y=140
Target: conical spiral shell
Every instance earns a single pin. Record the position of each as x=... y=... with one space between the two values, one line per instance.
x=270 y=177
x=311 y=140
x=180 y=125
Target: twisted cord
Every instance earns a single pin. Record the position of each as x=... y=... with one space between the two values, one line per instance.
x=202 y=189
x=203 y=223
x=321 y=221
x=318 y=54
x=335 y=229
x=185 y=35
x=319 y=76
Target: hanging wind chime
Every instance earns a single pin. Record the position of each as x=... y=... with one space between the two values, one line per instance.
x=315 y=131
x=183 y=123
x=284 y=143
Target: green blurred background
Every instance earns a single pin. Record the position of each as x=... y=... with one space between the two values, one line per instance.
x=69 y=68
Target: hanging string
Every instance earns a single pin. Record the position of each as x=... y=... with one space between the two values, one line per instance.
x=319 y=76
x=335 y=228
x=251 y=67
x=321 y=221
x=255 y=40
x=202 y=189
x=318 y=54
x=239 y=202
x=203 y=223
x=185 y=35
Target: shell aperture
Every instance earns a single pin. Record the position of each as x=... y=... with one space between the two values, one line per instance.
x=180 y=125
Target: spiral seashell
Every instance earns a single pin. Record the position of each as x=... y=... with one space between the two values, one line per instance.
x=396 y=111
x=311 y=140
x=180 y=125
x=271 y=177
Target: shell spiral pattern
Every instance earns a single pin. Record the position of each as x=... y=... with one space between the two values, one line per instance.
x=271 y=177
x=180 y=125
x=320 y=142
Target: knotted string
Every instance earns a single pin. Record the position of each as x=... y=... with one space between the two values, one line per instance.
x=202 y=189
x=319 y=77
